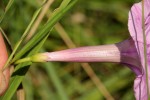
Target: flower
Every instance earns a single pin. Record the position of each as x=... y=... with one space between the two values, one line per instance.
x=129 y=52
x=136 y=32
x=4 y=75
x=124 y=52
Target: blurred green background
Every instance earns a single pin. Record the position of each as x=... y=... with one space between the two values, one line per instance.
x=89 y=22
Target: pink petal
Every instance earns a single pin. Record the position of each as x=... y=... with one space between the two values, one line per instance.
x=135 y=29
x=135 y=21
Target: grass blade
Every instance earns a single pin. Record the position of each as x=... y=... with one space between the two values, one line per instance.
x=44 y=31
x=56 y=81
x=18 y=75
x=21 y=69
x=22 y=38
x=6 y=9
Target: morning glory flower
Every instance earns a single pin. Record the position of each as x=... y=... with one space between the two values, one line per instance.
x=136 y=32
x=129 y=52
x=124 y=52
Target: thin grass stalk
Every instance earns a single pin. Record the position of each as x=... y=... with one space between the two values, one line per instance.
x=20 y=93
x=22 y=38
x=18 y=75
x=44 y=31
x=49 y=69
x=145 y=50
x=21 y=69
x=39 y=19
x=6 y=38
x=56 y=81
x=6 y=9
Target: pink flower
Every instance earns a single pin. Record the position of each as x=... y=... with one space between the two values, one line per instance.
x=129 y=52
x=136 y=31
x=124 y=52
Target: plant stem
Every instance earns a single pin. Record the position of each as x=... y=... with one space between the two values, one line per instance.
x=22 y=60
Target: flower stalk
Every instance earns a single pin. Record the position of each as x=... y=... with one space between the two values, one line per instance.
x=120 y=52
x=41 y=57
x=107 y=53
